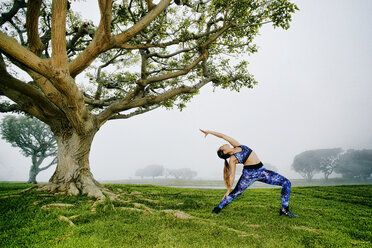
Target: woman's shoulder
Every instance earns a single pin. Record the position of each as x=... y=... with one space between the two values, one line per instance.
x=244 y=147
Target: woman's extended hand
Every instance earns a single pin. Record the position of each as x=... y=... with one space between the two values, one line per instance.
x=205 y=132
x=226 y=195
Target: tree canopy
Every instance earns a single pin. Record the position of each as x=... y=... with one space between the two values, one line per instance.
x=159 y=57
x=139 y=57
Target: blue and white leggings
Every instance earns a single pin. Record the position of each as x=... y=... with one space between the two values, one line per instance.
x=263 y=175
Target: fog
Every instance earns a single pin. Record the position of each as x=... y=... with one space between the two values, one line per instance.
x=314 y=92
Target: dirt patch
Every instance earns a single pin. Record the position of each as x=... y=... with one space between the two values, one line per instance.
x=147 y=212
x=178 y=214
x=151 y=201
x=254 y=226
x=305 y=228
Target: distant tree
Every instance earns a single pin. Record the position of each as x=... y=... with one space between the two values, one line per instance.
x=140 y=173
x=184 y=173
x=355 y=164
x=174 y=173
x=328 y=164
x=34 y=138
x=270 y=167
x=151 y=171
x=309 y=162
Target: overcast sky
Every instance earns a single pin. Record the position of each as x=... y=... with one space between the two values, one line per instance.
x=314 y=91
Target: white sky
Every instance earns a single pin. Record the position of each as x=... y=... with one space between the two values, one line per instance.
x=314 y=92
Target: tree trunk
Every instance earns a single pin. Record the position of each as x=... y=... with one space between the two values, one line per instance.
x=326 y=175
x=32 y=175
x=73 y=174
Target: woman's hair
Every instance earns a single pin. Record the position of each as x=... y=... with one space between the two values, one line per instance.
x=226 y=168
x=223 y=155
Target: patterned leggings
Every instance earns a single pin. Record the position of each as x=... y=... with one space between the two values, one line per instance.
x=263 y=175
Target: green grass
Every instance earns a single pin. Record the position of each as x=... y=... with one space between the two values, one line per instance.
x=333 y=216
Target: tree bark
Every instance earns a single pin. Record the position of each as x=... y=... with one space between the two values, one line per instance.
x=72 y=174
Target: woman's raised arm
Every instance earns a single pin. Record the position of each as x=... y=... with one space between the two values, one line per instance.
x=232 y=141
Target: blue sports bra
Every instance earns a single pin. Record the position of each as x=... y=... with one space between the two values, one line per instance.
x=244 y=154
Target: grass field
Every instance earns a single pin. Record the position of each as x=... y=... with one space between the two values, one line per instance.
x=156 y=216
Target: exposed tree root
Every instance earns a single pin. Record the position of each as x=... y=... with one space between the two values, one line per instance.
x=19 y=193
x=51 y=205
x=64 y=218
x=9 y=196
x=140 y=207
x=91 y=190
x=180 y=215
x=28 y=189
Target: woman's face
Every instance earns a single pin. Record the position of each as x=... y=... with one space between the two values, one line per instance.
x=225 y=148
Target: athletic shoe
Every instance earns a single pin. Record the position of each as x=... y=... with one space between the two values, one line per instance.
x=287 y=213
x=216 y=210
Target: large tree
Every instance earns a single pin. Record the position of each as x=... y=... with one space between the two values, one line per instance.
x=140 y=56
x=34 y=138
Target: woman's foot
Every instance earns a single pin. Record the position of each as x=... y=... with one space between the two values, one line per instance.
x=216 y=210
x=286 y=212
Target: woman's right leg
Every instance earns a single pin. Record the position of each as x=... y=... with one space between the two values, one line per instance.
x=246 y=180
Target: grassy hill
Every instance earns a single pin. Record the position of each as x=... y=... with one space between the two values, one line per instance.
x=155 y=216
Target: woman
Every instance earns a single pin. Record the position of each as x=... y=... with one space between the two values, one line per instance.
x=253 y=171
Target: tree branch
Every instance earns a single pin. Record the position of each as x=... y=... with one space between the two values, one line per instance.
x=59 y=53
x=98 y=103
x=18 y=4
x=121 y=105
x=28 y=97
x=19 y=31
x=170 y=55
x=150 y=5
x=216 y=35
x=105 y=7
x=10 y=108
x=12 y=48
x=149 y=100
x=134 y=113
x=51 y=163
x=167 y=44
x=32 y=23
x=139 y=26
x=186 y=70
x=83 y=30
x=99 y=88
x=103 y=41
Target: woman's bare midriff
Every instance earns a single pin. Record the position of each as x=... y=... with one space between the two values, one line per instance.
x=252 y=159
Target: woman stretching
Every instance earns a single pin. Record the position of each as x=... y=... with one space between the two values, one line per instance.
x=253 y=171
